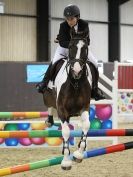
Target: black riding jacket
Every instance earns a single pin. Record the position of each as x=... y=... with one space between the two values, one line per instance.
x=64 y=32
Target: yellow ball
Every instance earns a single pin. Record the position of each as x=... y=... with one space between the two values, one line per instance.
x=2 y=126
x=38 y=126
x=53 y=141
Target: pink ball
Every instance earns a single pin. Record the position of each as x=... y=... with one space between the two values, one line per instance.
x=25 y=141
x=104 y=113
x=38 y=141
x=2 y=140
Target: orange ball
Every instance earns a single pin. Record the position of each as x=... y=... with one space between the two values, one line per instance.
x=53 y=141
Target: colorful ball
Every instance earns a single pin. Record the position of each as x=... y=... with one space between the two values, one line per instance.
x=11 y=127
x=53 y=141
x=122 y=96
x=38 y=126
x=130 y=106
x=128 y=95
x=38 y=141
x=2 y=126
x=25 y=141
x=91 y=113
x=2 y=140
x=95 y=124
x=104 y=113
x=11 y=141
x=23 y=126
x=107 y=124
x=123 y=109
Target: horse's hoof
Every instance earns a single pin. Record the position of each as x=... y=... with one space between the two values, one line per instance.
x=78 y=156
x=66 y=168
x=77 y=160
x=48 y=124
x=49 y=121
x=66 y=164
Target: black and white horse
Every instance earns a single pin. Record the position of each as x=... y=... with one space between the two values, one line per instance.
x=71 y=94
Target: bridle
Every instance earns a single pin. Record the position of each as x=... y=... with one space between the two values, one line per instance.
x=71 y=61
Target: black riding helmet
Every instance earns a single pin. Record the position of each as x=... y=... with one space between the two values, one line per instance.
x=71 y=11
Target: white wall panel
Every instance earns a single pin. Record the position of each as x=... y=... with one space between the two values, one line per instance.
x=90 y=9
x=25 y=7
x=126 y=43
x=17 y=39
x=126 y=10
x=54 y=31
x=99 y=41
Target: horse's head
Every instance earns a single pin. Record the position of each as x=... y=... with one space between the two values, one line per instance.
x=78 y=53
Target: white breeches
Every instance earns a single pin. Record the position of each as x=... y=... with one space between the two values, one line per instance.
x=63 y=52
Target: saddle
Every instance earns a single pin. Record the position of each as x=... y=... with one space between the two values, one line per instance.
x=56 y=68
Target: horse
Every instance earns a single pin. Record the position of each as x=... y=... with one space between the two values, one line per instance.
x=70 y=95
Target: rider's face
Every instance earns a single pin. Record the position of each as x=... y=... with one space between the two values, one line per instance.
x=72 y=21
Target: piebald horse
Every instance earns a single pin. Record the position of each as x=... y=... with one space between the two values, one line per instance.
x=70 y=95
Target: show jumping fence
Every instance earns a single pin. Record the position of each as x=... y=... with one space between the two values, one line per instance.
x=25 y=115
x=57 y=160
x=120 y=83
x=58 y=133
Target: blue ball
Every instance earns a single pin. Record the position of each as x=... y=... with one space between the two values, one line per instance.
x=23 y=126
x=91 y=113
x=107 y=124
x=11 y=141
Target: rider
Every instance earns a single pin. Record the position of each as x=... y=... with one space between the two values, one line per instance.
x=72 y=20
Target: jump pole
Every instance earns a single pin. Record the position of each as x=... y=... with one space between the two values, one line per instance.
x=57 y=160
x=58 y=133
x=12 y=115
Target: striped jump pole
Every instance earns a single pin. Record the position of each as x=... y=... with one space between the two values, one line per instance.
x=26 y=115
x=57 y=160
x=58 y=133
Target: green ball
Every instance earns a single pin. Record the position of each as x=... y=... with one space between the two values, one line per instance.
x=11 y=127
x=95 y=124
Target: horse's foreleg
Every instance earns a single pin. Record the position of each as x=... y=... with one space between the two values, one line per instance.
x=50 y=120
x=79 y=154
x=66 y=163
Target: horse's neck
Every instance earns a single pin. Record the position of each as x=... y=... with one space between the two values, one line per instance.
x=61 y=77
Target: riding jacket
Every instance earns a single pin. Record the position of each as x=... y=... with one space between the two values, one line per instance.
x=64 y=32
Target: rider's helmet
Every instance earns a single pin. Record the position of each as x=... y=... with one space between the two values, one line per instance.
x=71 y=11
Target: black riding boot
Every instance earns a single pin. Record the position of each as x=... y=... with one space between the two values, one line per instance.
x=42 y=86
x=96 y=93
